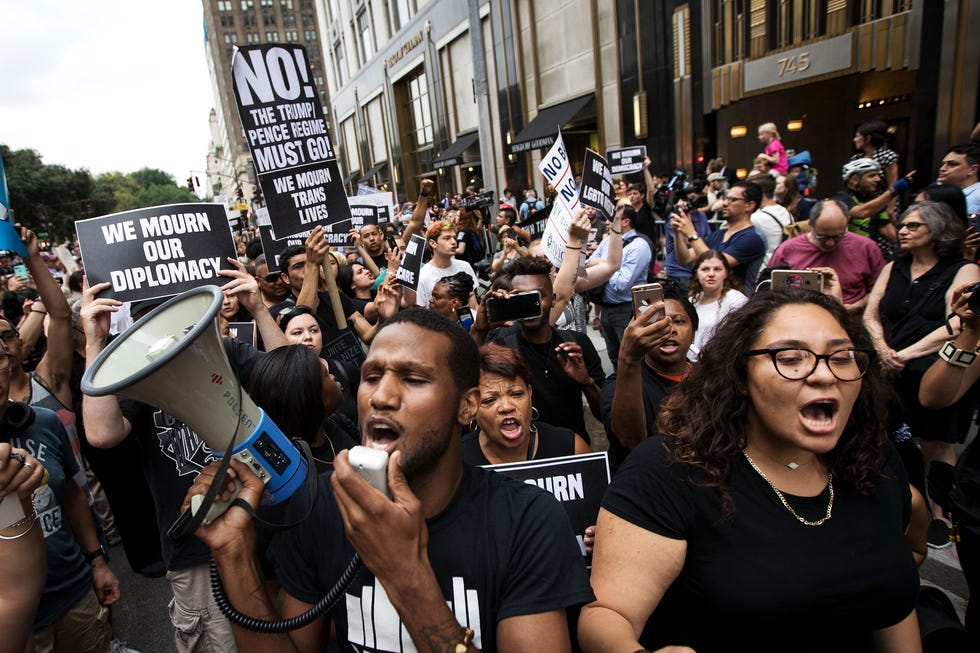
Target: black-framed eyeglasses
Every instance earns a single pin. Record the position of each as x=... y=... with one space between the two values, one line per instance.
x=272 y=277
x=797 y=363
x=10 y=335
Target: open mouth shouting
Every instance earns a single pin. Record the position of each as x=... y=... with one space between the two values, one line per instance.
x=511 y=428
x=381 y=433
x=820 y=415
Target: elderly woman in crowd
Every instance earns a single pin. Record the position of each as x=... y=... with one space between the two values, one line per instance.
x=506 y=431
x=770 y=517
x=906 y=315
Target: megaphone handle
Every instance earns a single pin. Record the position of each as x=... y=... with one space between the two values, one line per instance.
x=218 y=507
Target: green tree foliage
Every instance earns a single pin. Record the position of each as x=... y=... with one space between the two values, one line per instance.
x=49 y=198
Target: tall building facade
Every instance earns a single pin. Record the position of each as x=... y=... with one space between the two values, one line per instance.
x=228 y=23
x=469 y=92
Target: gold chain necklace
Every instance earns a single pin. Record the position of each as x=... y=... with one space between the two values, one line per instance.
x=805 y=522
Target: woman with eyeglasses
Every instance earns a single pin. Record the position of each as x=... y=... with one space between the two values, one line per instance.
x=770 y=513
x=906 y=315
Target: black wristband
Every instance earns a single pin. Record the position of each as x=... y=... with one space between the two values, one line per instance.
x=92 y=555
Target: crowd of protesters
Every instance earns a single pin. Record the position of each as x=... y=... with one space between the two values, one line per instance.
x=782 y=458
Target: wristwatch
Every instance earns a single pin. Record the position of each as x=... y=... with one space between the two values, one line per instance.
x=92 y=555
x=693 y=237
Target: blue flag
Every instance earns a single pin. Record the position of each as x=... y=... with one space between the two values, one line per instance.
x=9 y=238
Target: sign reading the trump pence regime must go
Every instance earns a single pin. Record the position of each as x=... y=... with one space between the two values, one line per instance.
x=156 y=252
x=287 y=136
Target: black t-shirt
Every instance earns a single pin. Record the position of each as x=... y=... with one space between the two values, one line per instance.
x=553 y=441
x=653 y=389
x=764 y=581
x=173 y=455
x=557 y=397
x=473 y=253
x=501 y=549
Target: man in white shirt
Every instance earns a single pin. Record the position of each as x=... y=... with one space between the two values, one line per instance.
x=961 y=167
x=441 y=241
x=770 y=218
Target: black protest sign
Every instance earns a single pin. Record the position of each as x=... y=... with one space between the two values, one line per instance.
x=597 y=187
x=627 y=160
x=283 y=122
x=411 y=264
x=242 y=331
x=158 y=251
x=578 y=482
x=362 y=214
x=345 y=347
x=272 y=248
x=380 y=201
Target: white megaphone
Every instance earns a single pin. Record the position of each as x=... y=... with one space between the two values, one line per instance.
x=173 y=359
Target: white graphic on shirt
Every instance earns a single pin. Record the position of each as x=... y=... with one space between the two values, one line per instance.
x=373 y=623
x=48 y=510
x=181 y=445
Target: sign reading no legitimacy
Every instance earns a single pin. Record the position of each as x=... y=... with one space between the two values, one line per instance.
x=627 y=160
x=156 y=252
x=577 y=482
x=284 y=128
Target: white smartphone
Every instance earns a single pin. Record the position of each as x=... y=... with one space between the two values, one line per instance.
x=372 y=465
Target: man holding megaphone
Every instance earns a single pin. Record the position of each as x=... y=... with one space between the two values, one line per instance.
x=459 y=558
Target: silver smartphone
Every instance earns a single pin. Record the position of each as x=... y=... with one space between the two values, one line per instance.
x=805 y=279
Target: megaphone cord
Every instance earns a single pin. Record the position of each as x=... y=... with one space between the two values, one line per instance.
x=282 y=625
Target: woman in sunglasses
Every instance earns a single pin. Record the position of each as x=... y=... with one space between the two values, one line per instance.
x=770 y=514
x=906 y=315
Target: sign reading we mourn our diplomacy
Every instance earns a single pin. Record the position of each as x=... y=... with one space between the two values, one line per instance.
x=627 y=160
x=557 y=169
x=287 y=136
x=596 y=189
x=578 y=482
x=156 y=252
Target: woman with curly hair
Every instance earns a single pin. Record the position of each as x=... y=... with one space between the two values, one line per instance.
x=770 y=514
x=715 y=292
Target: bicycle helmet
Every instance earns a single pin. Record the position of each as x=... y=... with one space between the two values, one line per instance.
x=859 y=167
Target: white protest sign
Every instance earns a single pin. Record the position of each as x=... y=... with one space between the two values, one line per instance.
x=557 y=169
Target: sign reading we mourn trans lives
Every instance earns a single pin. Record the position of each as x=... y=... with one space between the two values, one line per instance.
x=578 y=482
x=557 y=169
x=597 y=187
x=156 y=252
x=287 y=136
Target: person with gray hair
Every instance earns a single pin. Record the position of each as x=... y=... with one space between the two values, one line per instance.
x=856 y=260
x=906 y=316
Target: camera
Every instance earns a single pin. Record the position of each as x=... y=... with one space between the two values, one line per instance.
x=479 y=201
x=668 y=193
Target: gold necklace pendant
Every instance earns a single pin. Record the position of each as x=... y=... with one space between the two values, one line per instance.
x=782 y=499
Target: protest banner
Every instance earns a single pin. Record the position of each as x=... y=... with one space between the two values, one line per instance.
x=291 y=149
x=158 y=251
x=272 y=248
x=380 y=201
x=411 y=263
x=9 y=238
x=627 y=160
x=242 y=331
x=345 y=347
x=596 y=189
x=557 y=169
x=578 y=482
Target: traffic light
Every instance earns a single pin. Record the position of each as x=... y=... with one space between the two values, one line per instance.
x=190 y=183
x=257 y=196
x=239 y=195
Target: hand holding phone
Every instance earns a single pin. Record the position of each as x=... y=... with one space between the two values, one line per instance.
x=805 y=279
x=644 y=297
x=517 y=306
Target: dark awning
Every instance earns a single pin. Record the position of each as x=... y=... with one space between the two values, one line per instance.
x=453 y=155
x=543 y=129
x=351 y=176
x=375 y=169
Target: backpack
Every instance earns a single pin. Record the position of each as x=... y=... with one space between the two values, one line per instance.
x=788 y=230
